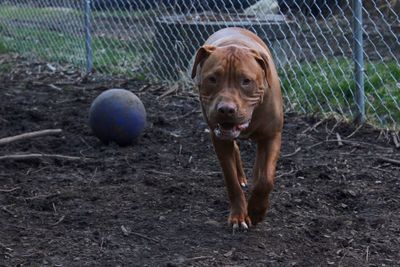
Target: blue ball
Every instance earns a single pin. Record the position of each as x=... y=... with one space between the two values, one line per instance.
x=117 y=115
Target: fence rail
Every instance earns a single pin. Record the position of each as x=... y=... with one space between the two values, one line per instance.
x=337 y=56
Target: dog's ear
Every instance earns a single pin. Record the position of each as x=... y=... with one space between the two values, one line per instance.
x=201 y=55
x=264 y=60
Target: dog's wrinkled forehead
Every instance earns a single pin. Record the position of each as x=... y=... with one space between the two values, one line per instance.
x=228 y=58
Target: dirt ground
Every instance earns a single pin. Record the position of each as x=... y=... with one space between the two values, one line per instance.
x=162 y=202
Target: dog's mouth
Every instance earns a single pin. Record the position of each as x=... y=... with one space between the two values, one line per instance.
x=230 y=131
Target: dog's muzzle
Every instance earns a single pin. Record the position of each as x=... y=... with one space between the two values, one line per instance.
x=230 y=132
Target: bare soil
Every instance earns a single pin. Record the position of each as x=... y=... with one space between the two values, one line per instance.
x=162 y=201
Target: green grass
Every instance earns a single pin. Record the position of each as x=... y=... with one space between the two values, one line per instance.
x=43 y=13
x=328 y=85
x=45 y=44
x=3 y=48
x=115 y=56
x=110 y=55
x=121 y=13
x=46 y=13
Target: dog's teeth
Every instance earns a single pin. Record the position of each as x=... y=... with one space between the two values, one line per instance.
x=244 y=225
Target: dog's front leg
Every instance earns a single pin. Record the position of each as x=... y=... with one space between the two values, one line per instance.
x=264 y=177
x=225 y=150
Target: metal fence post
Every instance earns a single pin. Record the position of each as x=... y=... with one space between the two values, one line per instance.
x=88 y=37
x=359 y=61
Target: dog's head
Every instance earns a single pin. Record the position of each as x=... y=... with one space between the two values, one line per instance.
x=232 y=81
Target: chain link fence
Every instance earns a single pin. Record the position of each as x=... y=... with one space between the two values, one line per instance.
x=334 y=57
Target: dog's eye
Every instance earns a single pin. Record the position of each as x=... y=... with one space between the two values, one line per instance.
x=212 y=79
x=246 y=82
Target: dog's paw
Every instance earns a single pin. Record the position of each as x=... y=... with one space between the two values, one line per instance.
x=257 y=210
x=239 y=222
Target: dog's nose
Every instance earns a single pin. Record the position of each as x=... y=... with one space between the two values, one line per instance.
x=226 y=108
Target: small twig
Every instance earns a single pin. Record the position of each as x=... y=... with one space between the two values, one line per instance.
x=144 y=87
x=125 y=231
x=396 y=140
x=156 y=88
x=145 y=237
x=185 y=115
x=94 y=175
x=285 y=174
x=355 y=131
x=393 y=161
x=83 y=140
x=6 y=254
x=292 y=154
x=199 y=258
x=4 y=208
x=5 y=247
x=32 y=156
x=171 y=90
x=52 y=86
x=42 y=196
x=10 y=139
x=331 y=130
x=51 y=67
x=59 y=221
x=35 y=171
x=313 y=127
x=102 y=243
x=9 y=190
x=339 y=139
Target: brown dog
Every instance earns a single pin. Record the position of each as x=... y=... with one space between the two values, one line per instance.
x=241 y=98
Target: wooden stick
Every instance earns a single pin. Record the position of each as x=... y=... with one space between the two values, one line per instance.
x=355 y=131
x=185 y=115
x=4 y=208
x=292 y=154
x=171 y=90
x=59 y=221
x=285 y=174
x=32 y=156
x=393 y=161
x=313 y=127
x=10 y=139
x=5 y=247
x=395 y=140
x=339 y=139
x=199 y=258
x=9 y=190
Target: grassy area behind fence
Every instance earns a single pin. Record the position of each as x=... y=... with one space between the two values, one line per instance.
x=318 y=86
x=330 y=83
